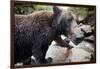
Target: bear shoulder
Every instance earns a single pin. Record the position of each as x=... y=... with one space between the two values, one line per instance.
x=42 y=17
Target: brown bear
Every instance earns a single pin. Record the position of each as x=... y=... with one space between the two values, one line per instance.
x=35 y=32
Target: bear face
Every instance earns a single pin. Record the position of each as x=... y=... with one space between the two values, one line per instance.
x=66 y=24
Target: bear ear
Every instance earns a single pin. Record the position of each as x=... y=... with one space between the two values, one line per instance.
x=56 y=16
x=56 y=10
